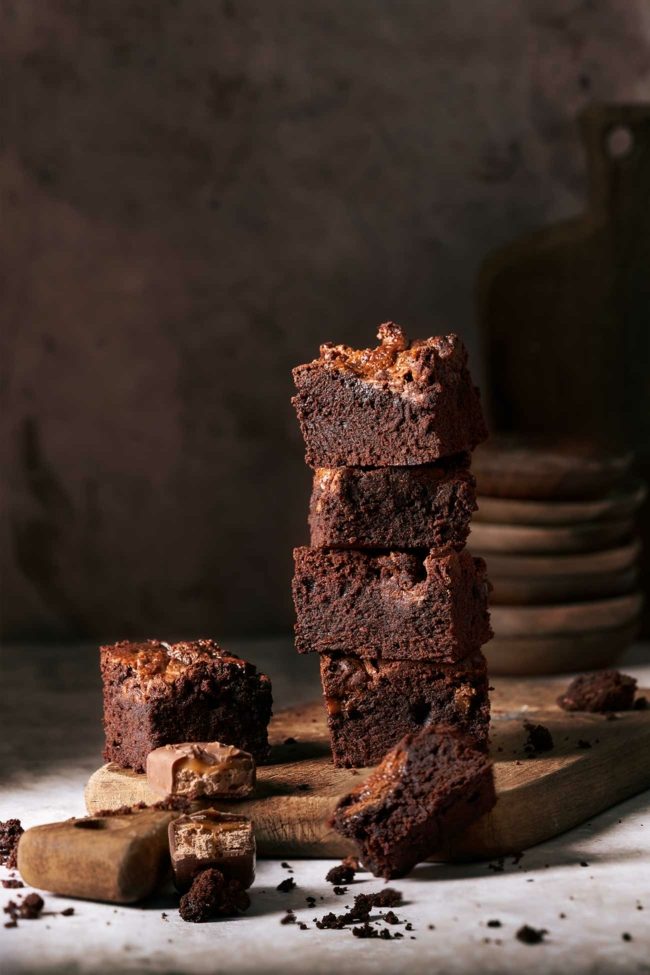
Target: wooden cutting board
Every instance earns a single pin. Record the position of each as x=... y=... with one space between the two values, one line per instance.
x=537 y=797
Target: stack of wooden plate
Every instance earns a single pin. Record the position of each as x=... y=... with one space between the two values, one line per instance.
x=557 y=529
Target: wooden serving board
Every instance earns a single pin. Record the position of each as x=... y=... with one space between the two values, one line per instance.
x=537 y=797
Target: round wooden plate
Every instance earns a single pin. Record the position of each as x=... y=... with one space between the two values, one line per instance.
x=557 y=654
x=535 y=590
x=570 y=618
x=511 y=466
x=487 y=538
x=618 y=505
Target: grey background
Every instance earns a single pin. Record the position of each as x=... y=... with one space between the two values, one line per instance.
x=195 y=194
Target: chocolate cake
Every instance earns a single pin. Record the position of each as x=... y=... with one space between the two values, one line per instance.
x=390 y=605
x=156 y=693
x=428 y=506
x=431 y=786
x=602 y=691
x=400 y=403
x=372 y=704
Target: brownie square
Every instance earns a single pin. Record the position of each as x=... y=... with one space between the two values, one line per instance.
x=427 y=506
x=428 y=788
x=156 y=693
x=371 y=704
x=390 y=605
x=401 y=403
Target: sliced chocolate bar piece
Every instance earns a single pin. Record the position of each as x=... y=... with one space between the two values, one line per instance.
x=432 y=785
x=210 y=838
x=201 y=768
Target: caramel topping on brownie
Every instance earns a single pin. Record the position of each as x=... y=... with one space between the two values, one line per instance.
x=396 y=360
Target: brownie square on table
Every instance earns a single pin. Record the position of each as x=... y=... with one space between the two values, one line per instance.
x=371 y=704
x=428 y=506
x=401 y=403
x=428 y=788
x=390 y=605
x=157 y=693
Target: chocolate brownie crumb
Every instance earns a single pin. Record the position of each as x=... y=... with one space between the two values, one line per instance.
x=539 y=739
x=286 y=866
x=286 y=885
x=366 y=930
x=583 y=863
x=364 y=903
x=12 y=883
x=626 y=936
x=289 y=917
x=211 y=896
x=494 y=923
x=340 y=890
x=311 y=901
x=340 y=875
x=334 y=922
x=390 y=917
x=10 y=833
x=599 y=692
x=69 y=911
x=531 y=936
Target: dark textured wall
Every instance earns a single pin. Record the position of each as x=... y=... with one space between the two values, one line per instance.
x=194 y=195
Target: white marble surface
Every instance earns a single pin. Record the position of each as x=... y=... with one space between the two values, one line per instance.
x=50 y=742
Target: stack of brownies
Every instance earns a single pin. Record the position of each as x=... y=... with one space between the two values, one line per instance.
x=387 y=594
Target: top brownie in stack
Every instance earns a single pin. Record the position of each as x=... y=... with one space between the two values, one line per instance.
x=401 y=403
x=157 y=693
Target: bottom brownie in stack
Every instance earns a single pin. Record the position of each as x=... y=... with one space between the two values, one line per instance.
x=372 y=704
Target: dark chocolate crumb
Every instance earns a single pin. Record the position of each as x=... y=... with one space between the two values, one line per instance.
x=431 y=927
x=365 y=930
x=10 y=833
x=12 y=883
x=626 y=936
x=340 y=875
x=408 y=926
x=390 y=917
x=531 y=936
x=289 y=918
x=212 y=896
x=287 y=866
x=539 y=739
x=311 y=901
x=340 y=890
x=69 y=911
x=494 y=923
x=303 y=926
x=562 y=916
x=286 y=885
x=583 y=863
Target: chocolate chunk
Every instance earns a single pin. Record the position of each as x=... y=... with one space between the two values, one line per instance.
x=211 y=896
x=197 y=769
x=210 y=838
